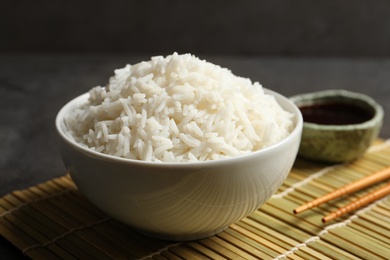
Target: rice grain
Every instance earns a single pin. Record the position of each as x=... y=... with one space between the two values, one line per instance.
x=178 y=108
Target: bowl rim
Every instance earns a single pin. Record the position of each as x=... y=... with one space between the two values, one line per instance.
x=318 y=95
x=298 y=121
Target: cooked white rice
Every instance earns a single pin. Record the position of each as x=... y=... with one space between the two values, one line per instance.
x=176 y=109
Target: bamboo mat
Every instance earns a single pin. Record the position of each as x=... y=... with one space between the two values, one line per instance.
x=54 y=221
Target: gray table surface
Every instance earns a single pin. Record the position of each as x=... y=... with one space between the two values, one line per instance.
x=33 y=87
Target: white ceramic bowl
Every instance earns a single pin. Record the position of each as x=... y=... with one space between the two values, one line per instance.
x=179 y=201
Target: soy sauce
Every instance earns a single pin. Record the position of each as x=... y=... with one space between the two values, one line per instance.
x=334 y=114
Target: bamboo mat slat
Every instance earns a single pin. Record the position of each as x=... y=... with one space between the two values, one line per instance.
x=53 y=220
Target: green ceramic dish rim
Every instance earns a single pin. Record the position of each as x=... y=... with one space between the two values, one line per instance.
x=313 y=97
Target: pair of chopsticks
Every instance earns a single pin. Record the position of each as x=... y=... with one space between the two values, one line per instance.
x=352 y=187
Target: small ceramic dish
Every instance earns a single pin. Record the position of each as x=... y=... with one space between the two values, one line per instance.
x=339 y=125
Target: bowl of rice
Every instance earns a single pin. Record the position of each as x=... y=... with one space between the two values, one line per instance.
x=177 y=147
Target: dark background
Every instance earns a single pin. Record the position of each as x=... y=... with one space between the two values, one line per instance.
x=342 y=28
x=53 y=51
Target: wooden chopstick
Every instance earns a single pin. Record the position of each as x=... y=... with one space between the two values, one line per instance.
x=352 y=187
x=370 y=197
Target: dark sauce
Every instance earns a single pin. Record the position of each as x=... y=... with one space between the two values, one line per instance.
x=335 y=114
